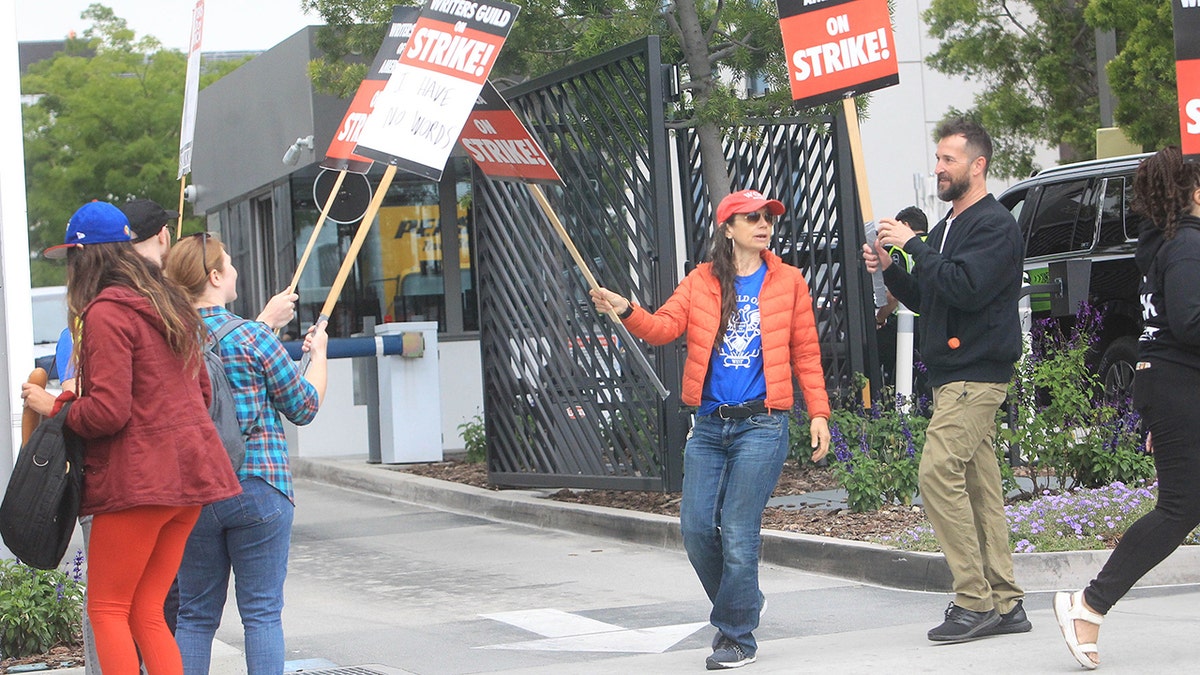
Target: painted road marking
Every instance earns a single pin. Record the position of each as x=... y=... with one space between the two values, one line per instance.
x=566 y=632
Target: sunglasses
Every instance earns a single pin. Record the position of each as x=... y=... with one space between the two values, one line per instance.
x=754 y=216
x=203 y=237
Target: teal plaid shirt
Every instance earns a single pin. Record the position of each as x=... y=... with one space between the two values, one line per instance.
x=265 y=382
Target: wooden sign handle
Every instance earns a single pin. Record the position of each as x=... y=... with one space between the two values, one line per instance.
x=29 y=418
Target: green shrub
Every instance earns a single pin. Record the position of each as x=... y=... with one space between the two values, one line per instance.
x=39 y=609
x=475 y=439
x=1059 y=421
x=877 y=451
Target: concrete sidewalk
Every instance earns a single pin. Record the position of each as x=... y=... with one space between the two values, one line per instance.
x=392 y=573
x=858 y=561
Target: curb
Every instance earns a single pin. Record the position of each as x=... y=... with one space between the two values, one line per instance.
x=852 y=560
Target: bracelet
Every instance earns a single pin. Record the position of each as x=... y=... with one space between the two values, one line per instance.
x=627 y=313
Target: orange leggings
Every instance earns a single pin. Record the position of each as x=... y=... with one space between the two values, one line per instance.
x=133 y=557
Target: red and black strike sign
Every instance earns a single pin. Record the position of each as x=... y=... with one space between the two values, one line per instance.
x=1187 y=74
x=340 y=156
x=423 y=107
x=837 y=48
x=502 y=147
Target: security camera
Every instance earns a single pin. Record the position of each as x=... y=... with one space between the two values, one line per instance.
x=291 y=156
x=189 y=194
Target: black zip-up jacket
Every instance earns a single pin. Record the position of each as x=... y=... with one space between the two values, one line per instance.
x=967 y=294
x=1170 y=301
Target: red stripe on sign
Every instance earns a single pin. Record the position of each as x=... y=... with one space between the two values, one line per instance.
x=503 y=148
x=1187 y=74
x=465 y=54
x=341 y=148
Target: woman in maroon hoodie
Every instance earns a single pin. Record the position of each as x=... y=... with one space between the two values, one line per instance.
x=153 y=457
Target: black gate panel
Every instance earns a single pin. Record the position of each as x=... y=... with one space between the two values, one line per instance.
x=565 y=403
x=806 y=165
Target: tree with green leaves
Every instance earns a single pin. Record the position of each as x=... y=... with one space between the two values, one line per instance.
x=1037 y=62
x=734 y=38
x=105 y=125
x=1143 y=71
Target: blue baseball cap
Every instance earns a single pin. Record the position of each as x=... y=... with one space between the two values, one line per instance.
x=94 y=223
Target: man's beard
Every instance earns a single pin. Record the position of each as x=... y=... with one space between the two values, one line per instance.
x=955 y=190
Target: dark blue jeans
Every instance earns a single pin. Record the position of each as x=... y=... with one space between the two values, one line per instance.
x=730 y=468
x=248 y=534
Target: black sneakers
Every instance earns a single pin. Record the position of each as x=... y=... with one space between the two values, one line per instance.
x=728 y=654
x=1014 y=621
x=963 y=624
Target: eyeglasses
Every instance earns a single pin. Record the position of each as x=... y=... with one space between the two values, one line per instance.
x=203 y=237
x=754 y=216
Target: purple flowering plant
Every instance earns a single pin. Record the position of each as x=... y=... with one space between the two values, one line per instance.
x=1058 y=420
x=876 y=451
x=40 y=609
x=1078 y=519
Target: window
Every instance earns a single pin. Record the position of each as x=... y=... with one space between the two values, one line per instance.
x=1112 y=212
x=1052 y=229
x=415 y=265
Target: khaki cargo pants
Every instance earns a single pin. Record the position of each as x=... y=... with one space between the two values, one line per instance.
x=961 y=491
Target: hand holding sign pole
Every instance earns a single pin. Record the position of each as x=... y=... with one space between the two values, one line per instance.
x=838 y=49
x=504 y=150
x=420 y=111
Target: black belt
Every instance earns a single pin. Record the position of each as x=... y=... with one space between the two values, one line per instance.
x=742 y=411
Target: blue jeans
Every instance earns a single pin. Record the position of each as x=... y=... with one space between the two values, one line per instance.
x=249 y=534
x=730 y=468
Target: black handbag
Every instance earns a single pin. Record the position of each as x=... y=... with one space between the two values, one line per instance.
x=41 y=504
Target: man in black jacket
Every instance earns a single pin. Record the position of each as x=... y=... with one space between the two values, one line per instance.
x=965 y=283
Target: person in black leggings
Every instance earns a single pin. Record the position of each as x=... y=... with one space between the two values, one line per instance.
x=1166 y=392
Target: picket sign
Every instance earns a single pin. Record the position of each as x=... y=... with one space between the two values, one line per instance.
x=418 y=114
x=191 y=94
x=1187 y=74
x=839 y=49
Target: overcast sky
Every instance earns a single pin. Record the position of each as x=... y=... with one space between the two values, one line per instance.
x=230 y=25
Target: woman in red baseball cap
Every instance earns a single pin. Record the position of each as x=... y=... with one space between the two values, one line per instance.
x=750 y=328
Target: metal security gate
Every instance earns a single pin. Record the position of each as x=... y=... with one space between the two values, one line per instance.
x=565 y=403
x=806 y=165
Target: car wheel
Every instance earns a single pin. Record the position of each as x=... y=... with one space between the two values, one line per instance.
x=1117 y=369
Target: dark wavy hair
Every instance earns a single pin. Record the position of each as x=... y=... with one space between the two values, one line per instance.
x=720 y=254
x=1163 y=187
x=91 y=269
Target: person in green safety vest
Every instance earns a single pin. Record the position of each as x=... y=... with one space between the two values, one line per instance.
x=885 y=316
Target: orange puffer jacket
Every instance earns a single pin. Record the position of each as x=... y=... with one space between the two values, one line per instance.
x=789 y=333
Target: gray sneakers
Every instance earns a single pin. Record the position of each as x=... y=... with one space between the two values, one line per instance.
x=728 y=654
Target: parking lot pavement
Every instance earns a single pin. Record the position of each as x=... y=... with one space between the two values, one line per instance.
x=414 y=589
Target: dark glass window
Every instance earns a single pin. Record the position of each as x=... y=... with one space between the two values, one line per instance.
x=417 y=254
x=1053 y=224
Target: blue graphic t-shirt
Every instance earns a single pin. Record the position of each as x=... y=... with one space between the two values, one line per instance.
x=735 y=373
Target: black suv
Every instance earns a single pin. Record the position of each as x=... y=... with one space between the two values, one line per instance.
x=1081 y=212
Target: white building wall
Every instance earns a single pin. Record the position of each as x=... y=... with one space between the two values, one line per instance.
x=897 y=137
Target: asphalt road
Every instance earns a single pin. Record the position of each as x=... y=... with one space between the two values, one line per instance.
x=421 y=590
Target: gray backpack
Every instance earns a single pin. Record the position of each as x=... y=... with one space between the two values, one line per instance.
x=223 y=410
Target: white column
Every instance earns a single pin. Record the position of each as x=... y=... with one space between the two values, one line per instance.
x=16 y=316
